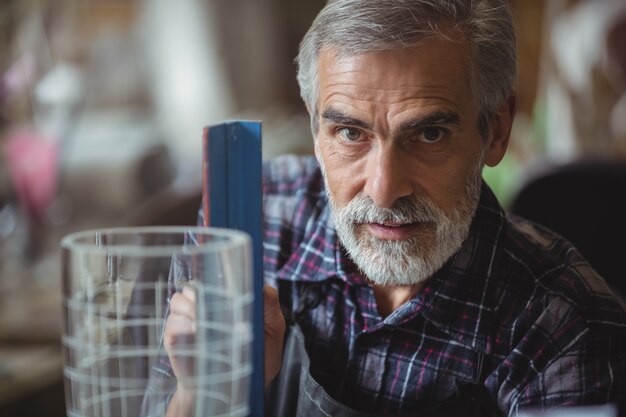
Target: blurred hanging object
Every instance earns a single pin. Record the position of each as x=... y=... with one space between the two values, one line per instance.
x=616 y=73
x=32 y=162
x=29 y=153
x=188 y=81
x=586 y=80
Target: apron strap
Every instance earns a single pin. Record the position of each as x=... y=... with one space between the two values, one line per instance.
x=282 y=395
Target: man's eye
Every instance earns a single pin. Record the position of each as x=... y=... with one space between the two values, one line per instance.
x=431 y=135
x=349 y=134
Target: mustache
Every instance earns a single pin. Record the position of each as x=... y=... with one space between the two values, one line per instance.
x=409 y=209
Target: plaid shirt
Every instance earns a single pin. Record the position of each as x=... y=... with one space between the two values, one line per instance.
x=550 y=331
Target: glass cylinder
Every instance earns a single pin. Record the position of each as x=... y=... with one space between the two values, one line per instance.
x=117 y=284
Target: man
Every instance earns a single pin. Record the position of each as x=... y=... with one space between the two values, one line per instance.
x=403 y=278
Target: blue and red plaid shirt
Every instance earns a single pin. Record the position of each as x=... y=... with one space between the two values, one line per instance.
x=550 y=330
x=515 y=297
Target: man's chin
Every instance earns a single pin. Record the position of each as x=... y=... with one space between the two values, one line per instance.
x=388 y=280
x=384 y=265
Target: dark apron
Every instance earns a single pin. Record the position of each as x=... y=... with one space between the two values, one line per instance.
x=296 y=393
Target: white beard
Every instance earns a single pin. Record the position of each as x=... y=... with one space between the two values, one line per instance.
x=411 y=261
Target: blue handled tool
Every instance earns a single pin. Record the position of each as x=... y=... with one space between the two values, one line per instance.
x=232 y=198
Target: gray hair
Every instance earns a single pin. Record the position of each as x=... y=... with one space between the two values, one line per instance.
x=358 y=26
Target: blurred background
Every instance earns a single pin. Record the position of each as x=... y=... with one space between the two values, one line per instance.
x=102 y=105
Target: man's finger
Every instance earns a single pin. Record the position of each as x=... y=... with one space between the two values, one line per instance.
x=177 y=326
x=189 y=292
x=183 y=305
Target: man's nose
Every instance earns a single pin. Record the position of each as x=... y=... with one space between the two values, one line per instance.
x=387 y=177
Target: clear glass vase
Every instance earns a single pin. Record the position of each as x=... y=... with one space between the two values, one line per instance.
x=117 y=284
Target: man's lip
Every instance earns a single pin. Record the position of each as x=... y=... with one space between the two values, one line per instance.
x=392 y=230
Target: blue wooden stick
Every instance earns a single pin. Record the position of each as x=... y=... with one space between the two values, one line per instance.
x=233 y=199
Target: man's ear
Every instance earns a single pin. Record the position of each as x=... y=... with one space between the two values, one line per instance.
x=500 y=131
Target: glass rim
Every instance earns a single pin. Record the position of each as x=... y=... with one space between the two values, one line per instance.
x=234 y=238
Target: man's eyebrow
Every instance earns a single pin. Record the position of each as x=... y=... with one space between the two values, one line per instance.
x=434 y=119
x=335 y=116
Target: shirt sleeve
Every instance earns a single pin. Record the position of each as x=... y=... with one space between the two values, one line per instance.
x=575 y=361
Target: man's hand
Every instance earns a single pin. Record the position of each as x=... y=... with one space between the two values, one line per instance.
x=274 y=333
x=180 y=330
